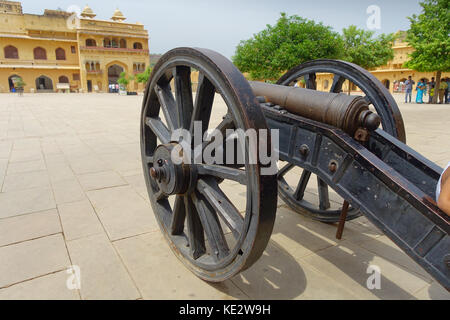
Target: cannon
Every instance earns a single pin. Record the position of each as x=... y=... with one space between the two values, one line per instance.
x=331 y=135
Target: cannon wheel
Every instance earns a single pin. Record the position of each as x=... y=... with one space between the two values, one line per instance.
x=195 y=214
x=375 y=93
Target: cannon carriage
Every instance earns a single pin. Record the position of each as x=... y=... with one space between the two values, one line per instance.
x=330 y=135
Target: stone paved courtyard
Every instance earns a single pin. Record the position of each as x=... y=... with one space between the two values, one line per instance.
x=72 y=193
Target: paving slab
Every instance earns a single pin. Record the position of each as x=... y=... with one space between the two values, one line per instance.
x=31 y=259
x=49 y=287
x=279 y=275
x=432 y=291
x=100 y=180
x=103 y=276
x=348 y=264
x=122 y=212
x=26 y=166
x=68 y=191
x=26 y=201
x=26 y=180
x=29 y=226
x=79 y=220
x=25 y=155
x=160 y=275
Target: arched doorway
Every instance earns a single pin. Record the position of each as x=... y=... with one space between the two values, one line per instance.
x=12 y=80
x=44 y=83
x=386 y=83
x=114 y=72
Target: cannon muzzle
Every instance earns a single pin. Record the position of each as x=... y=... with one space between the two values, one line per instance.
x=337 y=109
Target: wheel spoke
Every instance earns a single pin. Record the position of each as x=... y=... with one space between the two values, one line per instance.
x=366 y=98
x=223 y=172
x=159 y=195
x=178 y=216
x=168 y=105
x=285 y=169
x=211 y=225
x=220 y=202
x=301 y=187
x=183 y=90
x=196 y=235
x=338 y=81
x=310 y=80
x=158 y=128
x=226 y=123
x=324 y=200
x=204 y=100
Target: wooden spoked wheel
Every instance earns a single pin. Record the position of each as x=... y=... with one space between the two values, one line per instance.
x=294 y=195
x=205 y=230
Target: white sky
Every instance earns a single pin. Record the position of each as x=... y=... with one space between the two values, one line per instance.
x=220 y=25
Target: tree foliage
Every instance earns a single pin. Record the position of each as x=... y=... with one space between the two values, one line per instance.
x=365 y=50
x=123 y=80
x=429 y=36
x=291 y=41
x=144 y=76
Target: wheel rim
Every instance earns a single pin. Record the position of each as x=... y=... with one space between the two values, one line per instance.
x=194 y=223
x=375 y=94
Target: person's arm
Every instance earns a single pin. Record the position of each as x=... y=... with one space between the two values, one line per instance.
x=444 y=197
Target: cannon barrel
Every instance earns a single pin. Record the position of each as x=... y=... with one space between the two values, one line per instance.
x=337 y=109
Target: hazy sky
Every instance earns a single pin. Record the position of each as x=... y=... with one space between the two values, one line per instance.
x=220 y=25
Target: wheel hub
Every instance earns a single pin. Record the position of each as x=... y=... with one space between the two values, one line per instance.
x=171 y=177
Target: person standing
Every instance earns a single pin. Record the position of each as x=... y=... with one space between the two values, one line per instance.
x=442 y=88
x=408 y=89
x=421 y=90
x=431 y=90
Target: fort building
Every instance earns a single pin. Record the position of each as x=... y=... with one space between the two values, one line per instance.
x=61 y=50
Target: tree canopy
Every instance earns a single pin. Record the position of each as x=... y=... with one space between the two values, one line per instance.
x=429 y=36
x=294 y=40
x=291 y=41
x=365 y=50
x=144 y=76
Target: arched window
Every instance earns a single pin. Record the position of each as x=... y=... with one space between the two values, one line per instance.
x=137 y=45
x=11 y=52
x=63 y=79
x=123 y=43
x=114 y=43
x=91 y=43
x=60 y=54
x=40 y=53
x=107 y=43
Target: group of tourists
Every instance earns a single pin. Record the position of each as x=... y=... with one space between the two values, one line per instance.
x=423 y=88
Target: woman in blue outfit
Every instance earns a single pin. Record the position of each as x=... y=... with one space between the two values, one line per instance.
x=421 y=90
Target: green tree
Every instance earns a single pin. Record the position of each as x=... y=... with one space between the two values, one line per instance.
x=123 y=80
x=429 y=36
x=144 y=76
x=365 y=50
x=291 y=41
